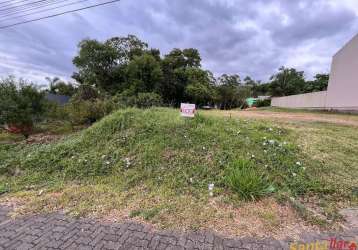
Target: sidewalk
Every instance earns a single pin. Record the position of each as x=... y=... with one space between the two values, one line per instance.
x=56 y=231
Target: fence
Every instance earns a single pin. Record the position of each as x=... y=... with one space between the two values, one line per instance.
x=315 y=100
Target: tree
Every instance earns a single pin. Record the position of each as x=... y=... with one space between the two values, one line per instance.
x=200 y=89
x=319 y=83
x=127 y=47
x=144 y=74
x=288 y=81
x=96 y=62
x=21 y=104
x=175 y=80
x=104 y=64
x=57 y=86
x=230 y=80
x=231 y=92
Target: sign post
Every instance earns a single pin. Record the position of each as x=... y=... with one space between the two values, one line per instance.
x=187 y=110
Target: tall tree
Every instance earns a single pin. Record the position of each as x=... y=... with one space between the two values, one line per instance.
x=104 y=64
x=57 y=86
x=144 y=74
x=319 y=83
x=288 y=81
x=175 y=66
x=200 y=89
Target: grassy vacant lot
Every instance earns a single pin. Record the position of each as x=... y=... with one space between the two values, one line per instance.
x=152 y=165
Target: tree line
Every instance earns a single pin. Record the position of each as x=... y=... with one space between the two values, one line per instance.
x=124 y=71
x=126 y=67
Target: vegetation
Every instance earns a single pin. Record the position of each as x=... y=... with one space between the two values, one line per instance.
x=247 y=181
x=149 y=161
x=127 y=65
x=21 y=104
x=59 y=87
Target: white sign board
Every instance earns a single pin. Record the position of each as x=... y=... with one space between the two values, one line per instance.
x=187 y=110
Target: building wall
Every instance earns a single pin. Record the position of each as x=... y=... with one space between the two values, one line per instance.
x=343 y=82
x=314 y=100
x=342 y=92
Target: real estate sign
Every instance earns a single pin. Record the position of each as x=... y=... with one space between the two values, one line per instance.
x=187 y=110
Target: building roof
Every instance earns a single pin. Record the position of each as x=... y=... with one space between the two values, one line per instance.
x=59 y=99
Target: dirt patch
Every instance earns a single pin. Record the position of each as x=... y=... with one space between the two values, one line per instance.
x=350 y=120
x=43 y=138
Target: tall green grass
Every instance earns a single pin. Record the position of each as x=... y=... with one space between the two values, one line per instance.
x=158 y=148
x=247 y=181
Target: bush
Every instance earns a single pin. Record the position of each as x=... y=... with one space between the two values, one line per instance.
x=263 y=103
x=147 y=100
x=55 y=111
x=21 y=104
x=242 y=178
x=141 y=100
x=89 y=111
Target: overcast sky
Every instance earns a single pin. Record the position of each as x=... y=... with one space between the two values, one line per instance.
x=253 y=37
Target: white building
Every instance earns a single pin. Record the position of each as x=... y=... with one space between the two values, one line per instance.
x=342 y=92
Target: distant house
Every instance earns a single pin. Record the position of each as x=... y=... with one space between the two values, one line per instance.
x=59 y=99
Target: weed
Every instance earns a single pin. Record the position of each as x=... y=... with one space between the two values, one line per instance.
x=245 y=180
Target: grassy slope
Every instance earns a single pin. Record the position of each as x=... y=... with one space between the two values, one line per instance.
x=157 y=165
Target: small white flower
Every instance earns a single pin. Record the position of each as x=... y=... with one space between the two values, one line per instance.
x=252 y=156
x=270 y=129
x=294 y=174
x=204 y=148
x=73 y=157
x=265 y=151
x=272 y=141
x=238 y=132
x=298 y=163
x=185 y=136
x=103 y=156
x=127 y=161
x=211 y=194
x=264 y=144
x=28 y=155
x=211 y=186
x=266 y=166
x=108 y=162
x=191 y=180
x=284 y=143
x=265 y=138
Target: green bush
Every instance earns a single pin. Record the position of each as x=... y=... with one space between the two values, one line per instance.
x=88 y=111
x=55 y=111
x=141 y=100
x=147 y=100
x=263 y=103
x=21 y=104
x=242 y=178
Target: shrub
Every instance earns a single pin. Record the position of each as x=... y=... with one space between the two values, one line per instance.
x=242 y=178
x=89 y=111
x=124 y=99
x=263 y=103
x=55 y=111
x=141 y=100
x=21 y=104
x=147 y=100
